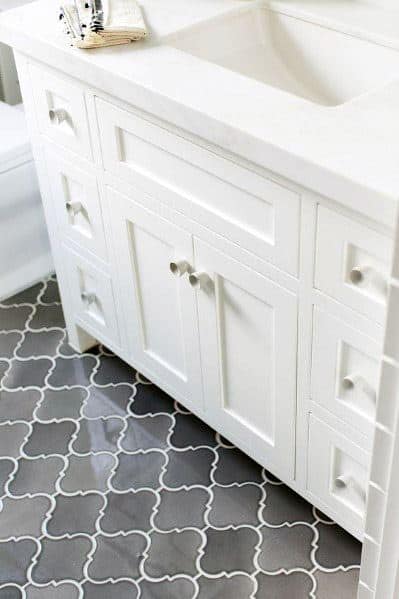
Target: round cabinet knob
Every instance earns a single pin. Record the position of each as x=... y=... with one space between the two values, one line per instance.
x=179 y=267
x=88 y=297
x=199 y=280
x=357 y=274
x=73 y=207
x=58 y=115
x=342 y=482
x=353 y=381
x=350 y=381
x=370 y=276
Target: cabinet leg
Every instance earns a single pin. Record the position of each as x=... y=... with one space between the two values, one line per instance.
x=79 y=340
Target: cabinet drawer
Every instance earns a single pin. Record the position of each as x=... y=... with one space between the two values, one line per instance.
x=345 y=369
x=338 y=472
x=92 y=297
x=352 y=263
x=61 y=110
x=76 y=202
x=254 y=212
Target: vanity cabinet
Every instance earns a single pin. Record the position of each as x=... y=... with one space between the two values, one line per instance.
x=255 y=303
x=221 y=336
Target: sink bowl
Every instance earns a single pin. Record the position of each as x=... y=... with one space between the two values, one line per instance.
x=314 y=62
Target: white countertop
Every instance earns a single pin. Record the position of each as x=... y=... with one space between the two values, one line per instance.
x=349 y=153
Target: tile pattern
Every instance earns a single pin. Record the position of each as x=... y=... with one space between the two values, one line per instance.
x=109 y=489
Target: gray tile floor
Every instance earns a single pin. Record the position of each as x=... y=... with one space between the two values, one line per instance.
x=109 y=489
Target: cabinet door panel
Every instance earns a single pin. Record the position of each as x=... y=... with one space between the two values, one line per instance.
x=159 y=308
x=248 y=329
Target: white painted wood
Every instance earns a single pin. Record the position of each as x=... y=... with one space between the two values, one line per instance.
x=191 y=224
x=352 y=263
x=92 y=296
x=365 y=442
x=345 y=369
x=233 y=330
x=376 y=499
x=78 y=338
x=355 y=319
x=248 y=334
x=338 y=474
x=160 y=308
x=77 y=202
x=255 y=212
x=369 y=565
x=381 y=555
x=58 y=95
x=305 y=325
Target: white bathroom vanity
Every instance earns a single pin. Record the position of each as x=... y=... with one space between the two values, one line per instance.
x=221 y=203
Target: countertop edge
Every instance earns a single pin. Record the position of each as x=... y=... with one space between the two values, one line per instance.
x=375 y=204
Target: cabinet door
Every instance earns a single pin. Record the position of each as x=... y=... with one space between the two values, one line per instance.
x=159 y=307
x=248 y=331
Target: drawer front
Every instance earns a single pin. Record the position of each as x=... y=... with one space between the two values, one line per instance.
x=345 y=369
x=338 y=472
x=61 y=110
x=352 y=263
x=92 y=297
x=76 y=202
x=256 y=213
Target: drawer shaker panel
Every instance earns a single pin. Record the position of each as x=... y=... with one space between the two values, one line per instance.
x=257 y=213
x=338 y=472
x=345 y=369
x=61 y=110
x=92 y=297
x=76 y=203
x=352 y=263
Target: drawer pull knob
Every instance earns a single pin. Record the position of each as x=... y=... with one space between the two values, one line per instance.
x=179 y=267
x=88 y=297
x=368 y=274
x=357 y=274
x=199 y=280
x=58 y=115
x=344 y=481
x=353 y=381
x=73 y=207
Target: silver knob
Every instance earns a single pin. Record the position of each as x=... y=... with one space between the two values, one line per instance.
x=88 y=297
x=369 y=275
x=58 y=115
x=73 y=207
x=179 y=267
x=352 y=381
x=348 y=383
x=357 y=274
x=343 y=481
x=200 y=280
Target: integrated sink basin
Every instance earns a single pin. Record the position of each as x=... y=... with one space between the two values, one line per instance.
x=307 y=60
